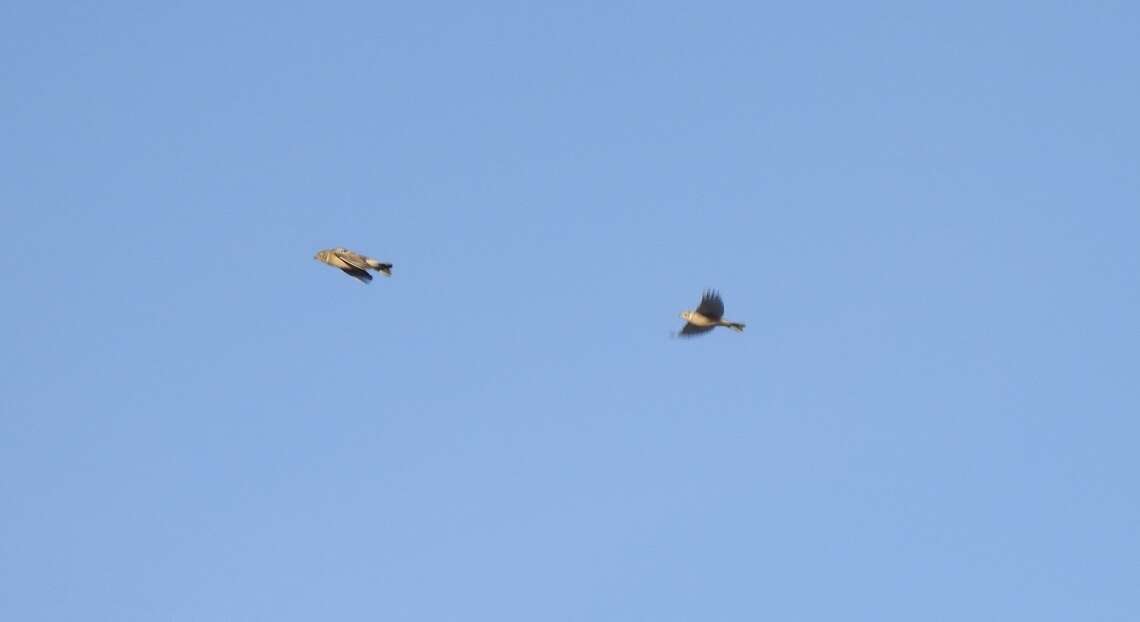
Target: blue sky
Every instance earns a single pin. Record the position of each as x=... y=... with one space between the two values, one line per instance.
x=927 y=213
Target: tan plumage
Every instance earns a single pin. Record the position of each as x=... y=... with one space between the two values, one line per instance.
x=353 y=264
x=707 y=316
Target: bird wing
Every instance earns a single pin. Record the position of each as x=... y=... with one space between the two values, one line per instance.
x=333 y=260
x=711 y=305
x=355 y=260
x=692 y=329
x=358 y=274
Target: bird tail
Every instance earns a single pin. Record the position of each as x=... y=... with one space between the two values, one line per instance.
x=385 y=268
x=736 y=326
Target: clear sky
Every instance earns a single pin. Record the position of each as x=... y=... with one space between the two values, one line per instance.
x=927 y=213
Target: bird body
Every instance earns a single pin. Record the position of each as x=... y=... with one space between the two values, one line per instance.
x=707 y=316
x=353 y=264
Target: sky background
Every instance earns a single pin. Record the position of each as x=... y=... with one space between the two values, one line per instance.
x=928 y=214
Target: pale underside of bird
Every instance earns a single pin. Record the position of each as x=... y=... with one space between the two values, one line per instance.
x=707 y=316
x=353 y=264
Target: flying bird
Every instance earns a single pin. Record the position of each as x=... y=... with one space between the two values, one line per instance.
x=707 y=316
x=353 y=264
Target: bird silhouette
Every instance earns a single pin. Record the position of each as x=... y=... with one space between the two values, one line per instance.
x=707 y=316
x=353 y=264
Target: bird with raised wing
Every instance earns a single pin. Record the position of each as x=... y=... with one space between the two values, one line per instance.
x=353 y=264
x=707 y=316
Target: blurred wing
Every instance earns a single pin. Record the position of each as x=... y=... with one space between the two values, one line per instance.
x=692 y=329
x=711 y=305
x=358 y=274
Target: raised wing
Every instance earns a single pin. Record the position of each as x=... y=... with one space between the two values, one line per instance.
x=711 y=305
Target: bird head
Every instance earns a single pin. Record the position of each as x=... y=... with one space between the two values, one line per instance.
x=320 y=256
x=685 y=315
